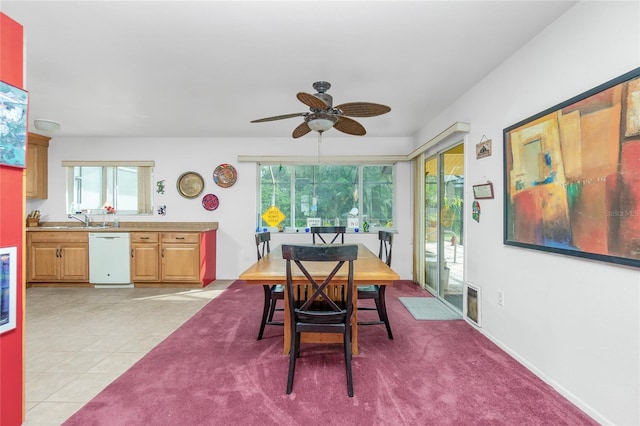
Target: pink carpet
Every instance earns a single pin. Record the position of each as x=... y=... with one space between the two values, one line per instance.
x=213 y=371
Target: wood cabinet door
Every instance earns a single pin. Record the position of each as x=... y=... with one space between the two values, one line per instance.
x=144 y=262
x=74 y=261
x=37 y=170
x=44 y=262
x=180 y=262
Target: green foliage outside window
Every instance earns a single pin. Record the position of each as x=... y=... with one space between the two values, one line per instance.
x=332 y=193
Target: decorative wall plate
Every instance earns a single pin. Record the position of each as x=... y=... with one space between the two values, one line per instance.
x=225 y=175
x=210 y=202
x=190 y=184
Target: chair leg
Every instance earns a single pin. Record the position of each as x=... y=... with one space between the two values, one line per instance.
x=382 y=311
x=293 y=354
x=347 y=360
x=265 y=309
x=272 y=308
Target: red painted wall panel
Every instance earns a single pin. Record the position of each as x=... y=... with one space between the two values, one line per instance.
x=208 y=257
x=11 y=234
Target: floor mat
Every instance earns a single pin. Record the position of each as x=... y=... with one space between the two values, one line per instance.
x=428 y=308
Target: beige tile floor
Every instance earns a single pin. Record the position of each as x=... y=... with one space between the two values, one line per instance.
x=80 y=340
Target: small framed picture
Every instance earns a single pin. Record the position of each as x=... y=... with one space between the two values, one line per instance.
x=483 y=191
x=473 y=304
x=8 y=288
x=483 y=149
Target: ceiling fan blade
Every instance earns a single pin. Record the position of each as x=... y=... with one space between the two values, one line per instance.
x=349 y=126
x=363 y=109
x=301 y=130
x=279 y=117
x=312 y=101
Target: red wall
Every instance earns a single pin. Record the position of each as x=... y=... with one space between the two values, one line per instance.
x=11 y=234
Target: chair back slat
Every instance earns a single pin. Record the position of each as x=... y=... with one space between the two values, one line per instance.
x=338 y=231
x=386 y=244
x=262 y=244
x=319 y=291
x=299 y=255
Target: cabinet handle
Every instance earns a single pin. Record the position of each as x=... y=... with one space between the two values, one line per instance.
x=162 y=252
x=132 y=253
x=144 y=238
x=179 y=238
x=58 y=252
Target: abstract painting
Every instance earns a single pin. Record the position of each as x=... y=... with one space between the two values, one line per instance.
x=13 y=125
x=572 y=176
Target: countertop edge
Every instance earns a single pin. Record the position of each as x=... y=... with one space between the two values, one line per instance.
x=126 y=227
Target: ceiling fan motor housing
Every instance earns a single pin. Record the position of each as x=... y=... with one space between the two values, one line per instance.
x=321 y=87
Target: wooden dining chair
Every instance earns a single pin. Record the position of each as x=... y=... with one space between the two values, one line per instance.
x=377 y=292
x=272 y=293
x=338 y=232
x=320 y=313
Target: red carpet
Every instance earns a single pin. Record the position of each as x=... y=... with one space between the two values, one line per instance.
x=213 y=371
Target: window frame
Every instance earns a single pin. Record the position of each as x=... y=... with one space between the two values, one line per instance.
x=144 y=190
x=291 y=211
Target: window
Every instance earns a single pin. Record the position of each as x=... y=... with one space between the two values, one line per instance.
x=125 y=186
x=347 y=195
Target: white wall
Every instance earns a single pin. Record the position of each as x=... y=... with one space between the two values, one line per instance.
x=237 y=212
x=574 y=322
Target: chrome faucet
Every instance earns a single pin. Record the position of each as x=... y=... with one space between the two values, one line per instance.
x=85 y=220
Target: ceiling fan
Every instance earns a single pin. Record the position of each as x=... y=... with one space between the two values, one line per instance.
x=323 y=115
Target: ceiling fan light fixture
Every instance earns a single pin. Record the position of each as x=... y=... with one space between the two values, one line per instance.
x=321 y=122
x=48 y=126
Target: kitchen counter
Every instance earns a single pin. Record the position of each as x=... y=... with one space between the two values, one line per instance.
x=126 y=227
x=161 y=254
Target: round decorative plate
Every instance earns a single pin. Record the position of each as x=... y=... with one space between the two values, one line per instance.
x=210 y=202
x=190 y=184
x=225 y=175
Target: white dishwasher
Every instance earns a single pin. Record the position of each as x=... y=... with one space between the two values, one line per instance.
x=109 y=262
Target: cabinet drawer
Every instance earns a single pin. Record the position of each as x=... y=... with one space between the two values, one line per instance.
x=144 y=237
x=58 y=237
x=180 y=237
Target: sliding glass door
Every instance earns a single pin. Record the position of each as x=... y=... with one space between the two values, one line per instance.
x=443 y=225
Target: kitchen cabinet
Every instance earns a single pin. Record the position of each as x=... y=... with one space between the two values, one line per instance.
x=180 y=256
x=171 y=257
x=144 y=257
x=37 y=166
x=58 y=257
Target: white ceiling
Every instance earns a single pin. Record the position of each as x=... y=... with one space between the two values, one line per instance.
x=206 y=68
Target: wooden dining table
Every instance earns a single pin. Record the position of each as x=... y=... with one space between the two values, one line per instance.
x=367 y=269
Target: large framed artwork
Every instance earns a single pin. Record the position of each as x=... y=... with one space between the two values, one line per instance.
x=13 y=125
x=572 y=176
x=8 y=288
